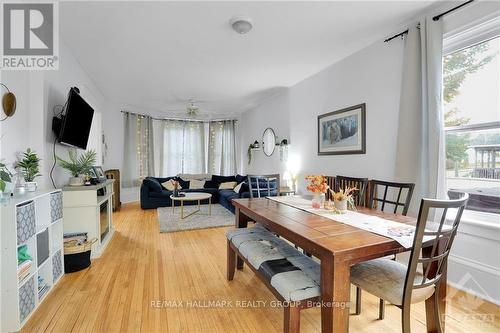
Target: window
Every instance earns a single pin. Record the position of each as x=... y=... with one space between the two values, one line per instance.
x=471 y=96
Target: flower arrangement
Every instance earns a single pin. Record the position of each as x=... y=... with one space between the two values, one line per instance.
x=175 y=184
x=344 y=198
x=317 y=184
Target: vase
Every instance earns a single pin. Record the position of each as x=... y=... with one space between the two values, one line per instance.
x=75 y=181
x=341 y=205
x=30 y=186
x=176 y=192
x=317 y=200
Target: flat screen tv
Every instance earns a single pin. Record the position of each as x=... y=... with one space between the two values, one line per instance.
x=76 y=121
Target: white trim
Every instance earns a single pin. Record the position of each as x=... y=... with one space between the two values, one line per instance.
x=474 y=264
x=475 y=32
x=474 y=293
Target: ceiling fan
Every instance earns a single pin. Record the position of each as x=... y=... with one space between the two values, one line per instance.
x=192 y=109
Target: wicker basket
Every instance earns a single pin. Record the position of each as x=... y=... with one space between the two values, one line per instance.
x=72 y=248
x=77 y=257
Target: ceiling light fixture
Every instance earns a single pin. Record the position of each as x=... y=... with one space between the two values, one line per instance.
x=241 y=24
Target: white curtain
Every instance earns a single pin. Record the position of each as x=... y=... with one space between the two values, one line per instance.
x=222 y=148
x=138 y=159
x=420 y=150
x=183 y=147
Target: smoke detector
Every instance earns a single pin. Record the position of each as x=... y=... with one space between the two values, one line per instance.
x=241 y=24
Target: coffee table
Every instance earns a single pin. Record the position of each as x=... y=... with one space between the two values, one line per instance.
x=192 y=196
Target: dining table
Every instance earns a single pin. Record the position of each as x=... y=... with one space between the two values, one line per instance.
x=338 y=246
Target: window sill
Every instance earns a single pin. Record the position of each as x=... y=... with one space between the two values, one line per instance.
x=486 y=220
x=480 y=224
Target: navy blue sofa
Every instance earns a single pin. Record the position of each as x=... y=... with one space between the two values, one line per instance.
x=154 y=195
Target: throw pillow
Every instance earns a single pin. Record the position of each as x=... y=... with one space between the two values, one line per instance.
x=227 y=186
x=196 y=184
x=241 y=178
x=210 y=184
x=238 y=188
x=152 y=184
x=169 y=186
x=223 y=179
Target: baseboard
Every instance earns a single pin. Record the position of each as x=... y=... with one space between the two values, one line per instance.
x=474 y=277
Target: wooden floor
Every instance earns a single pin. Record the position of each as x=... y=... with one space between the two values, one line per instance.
x=152 y=282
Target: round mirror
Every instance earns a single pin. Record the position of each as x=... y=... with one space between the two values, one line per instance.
x=268 y=141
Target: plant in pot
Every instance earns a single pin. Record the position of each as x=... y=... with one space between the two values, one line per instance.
x=5 y=178
x=78 y=165
x=29 y=165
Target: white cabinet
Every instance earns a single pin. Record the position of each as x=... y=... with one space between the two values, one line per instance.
x=89 y=209
x=32 y=254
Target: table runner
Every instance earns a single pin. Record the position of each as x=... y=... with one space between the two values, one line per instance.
x=400 y=232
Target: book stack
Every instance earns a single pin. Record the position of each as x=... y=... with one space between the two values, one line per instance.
x=43 y=287
x=75 y=238
x=24 y=269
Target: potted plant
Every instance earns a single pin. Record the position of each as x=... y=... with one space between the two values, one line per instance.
x=78 y=165
x=5 y=178
x=29 y=166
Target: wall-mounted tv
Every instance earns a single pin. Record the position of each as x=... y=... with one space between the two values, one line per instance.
x=76 y=121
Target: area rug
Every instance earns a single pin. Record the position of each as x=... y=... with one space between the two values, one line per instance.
x=172 y=222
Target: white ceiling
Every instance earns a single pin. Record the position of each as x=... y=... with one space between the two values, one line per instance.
x=154 y=56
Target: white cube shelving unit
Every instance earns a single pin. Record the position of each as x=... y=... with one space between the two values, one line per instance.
x=34 y=220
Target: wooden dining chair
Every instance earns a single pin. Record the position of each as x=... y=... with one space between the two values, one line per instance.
x=343 y=182
x=384 y=195
x=264 y=185
x=330 y=181
x=403 y=285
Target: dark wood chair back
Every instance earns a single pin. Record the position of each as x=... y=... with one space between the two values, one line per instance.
x=330 y=181
x=434 y=259
x=264 y=185
x=391 y=194
x=342 y=182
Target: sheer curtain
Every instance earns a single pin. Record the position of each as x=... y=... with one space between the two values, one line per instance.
x=222 y=148
x=183 y=147
x=420 y=151
x=138 y=157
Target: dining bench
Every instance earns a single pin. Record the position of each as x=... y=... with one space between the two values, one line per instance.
x=291 y=276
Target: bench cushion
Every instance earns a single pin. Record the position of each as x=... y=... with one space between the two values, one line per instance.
x=293 y=275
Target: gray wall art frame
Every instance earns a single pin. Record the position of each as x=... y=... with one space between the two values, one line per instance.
x=343 y=132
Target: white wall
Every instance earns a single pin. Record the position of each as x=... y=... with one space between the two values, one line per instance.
x=31 y=127
x=274 y=113
x=371 y=76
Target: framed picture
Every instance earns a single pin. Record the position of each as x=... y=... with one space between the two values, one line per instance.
x=99 y=172
x=92 y=173
x=343 y=131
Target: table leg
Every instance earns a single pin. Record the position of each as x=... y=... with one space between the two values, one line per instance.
x=182 y=209
x=335 y=296
x=173 y=206
x=240 y=221
x=210 y=206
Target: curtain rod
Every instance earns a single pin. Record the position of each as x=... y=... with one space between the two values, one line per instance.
x=182 y=119
x=435 y=18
